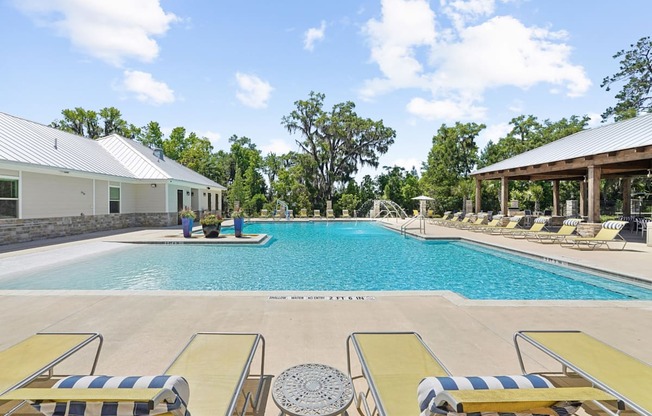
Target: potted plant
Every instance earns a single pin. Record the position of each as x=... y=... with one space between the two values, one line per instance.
x=238 y=222
x=211 y=225
x=187 y=221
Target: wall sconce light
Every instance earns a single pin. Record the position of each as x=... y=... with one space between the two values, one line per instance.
x=153 y=185
x=584 y=179
x=649 y=173
x=187 y=193
x=204 y=193
x=83 y=193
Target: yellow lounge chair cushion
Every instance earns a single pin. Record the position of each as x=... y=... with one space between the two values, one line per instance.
x=537 y=401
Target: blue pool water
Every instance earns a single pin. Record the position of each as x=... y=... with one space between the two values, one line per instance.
x=329 y=256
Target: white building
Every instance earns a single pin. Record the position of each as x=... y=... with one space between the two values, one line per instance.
x=48 y=177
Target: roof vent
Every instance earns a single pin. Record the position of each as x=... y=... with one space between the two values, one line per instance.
x=159 y=154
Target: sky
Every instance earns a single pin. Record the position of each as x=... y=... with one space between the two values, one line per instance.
x=222 y=68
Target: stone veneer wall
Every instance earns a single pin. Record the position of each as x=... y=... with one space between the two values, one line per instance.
x=24 y=230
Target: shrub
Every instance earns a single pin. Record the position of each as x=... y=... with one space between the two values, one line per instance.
x=211 y=219
x=187 y=213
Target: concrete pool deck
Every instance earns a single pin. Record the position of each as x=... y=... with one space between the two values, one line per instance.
x=145 y=330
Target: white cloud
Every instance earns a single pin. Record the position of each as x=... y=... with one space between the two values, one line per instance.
x=446 y=109
x=313 y=35
x=112 y=31
x=408 y=164
x=595 y=120
x=212 y=136
x=493 y=132
x=277 y=146
x=504 y=52
x=461 y=64
x=405 y=26
x=460 y=12
x=146 y=88
x=253 y=91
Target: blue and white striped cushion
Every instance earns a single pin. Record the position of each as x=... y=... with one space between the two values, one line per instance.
x=541 y=220
x=572 y=221
x=431 y=386
x=613 y=225
x=177 y=384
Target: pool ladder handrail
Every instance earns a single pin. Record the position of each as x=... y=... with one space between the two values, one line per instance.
x=422 y=224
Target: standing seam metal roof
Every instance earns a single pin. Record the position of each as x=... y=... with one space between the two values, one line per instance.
x=27 y=142
x=627 y=134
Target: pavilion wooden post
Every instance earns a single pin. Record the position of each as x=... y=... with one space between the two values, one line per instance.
x=555 y=197
x=504 y=195
x=627 y=197
x=478 y=195
x=594 y=175
x=583 y=198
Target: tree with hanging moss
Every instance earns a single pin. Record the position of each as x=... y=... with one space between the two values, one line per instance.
x=635 y=95
x=339 y=141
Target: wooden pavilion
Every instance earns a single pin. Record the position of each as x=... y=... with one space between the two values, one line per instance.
x=619 y=150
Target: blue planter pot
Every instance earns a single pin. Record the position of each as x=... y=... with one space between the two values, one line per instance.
x=238 y=223
x=187 y=224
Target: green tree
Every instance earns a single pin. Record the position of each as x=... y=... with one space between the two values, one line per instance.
x=528 y=133
x=91 y=124
x=636 y=72
x=452 y=157
x=176 y=144
x=272 y=165
x=198 y=155
x=368 y=189
x=74 y=121
x=349 y=201
x=238 y=192
x=245 y=180
x=113 y=122
x=152 y=136
x=338 y=141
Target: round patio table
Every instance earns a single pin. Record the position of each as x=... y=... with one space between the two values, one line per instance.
x=312 y=390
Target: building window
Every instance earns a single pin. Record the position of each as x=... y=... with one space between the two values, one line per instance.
x=8 y=198
x=114 y=200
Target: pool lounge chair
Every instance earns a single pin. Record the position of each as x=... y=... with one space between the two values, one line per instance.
x=303 y=213
x=215 y=366
x=469 y=225
x=511 y=226
x=396 y=364
x=345 y=213
x=37 y=356
x=458 y=224
x=495 y=222
x=568 y=228
x=538 y=226
x=316 y=213
x=445 y=217
x=451 y=219
x=330 y=214
x=264 y=213
x=609 y=233
x=603 y=366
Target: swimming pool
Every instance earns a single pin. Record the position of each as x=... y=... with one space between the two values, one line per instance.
x=328 y=256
